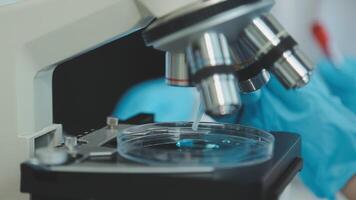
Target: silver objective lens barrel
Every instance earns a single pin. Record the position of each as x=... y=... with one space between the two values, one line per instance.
x=255 y=83
x=177 y=70
x=254 y=80
x=212 y=68
x=276 y=49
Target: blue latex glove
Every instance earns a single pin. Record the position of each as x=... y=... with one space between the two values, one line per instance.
x=327 y=127
x=156 y=97
x=341 y=81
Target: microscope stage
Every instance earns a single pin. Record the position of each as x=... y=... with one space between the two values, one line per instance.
x=102 y=174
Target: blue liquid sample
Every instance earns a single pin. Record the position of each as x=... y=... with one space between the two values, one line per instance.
x=196 y=144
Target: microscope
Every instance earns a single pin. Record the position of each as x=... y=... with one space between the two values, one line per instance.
x=222 y=47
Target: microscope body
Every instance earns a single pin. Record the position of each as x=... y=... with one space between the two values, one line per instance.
x=38 y=35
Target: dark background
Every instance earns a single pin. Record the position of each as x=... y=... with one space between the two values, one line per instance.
x=87 y=88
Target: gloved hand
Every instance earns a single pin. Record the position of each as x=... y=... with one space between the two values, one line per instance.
x=156 y=97
x=327 y=127
x=341 y=80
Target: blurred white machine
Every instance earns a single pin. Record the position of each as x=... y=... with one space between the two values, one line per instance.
x=37 y=35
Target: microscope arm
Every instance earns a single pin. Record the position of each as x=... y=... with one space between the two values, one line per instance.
x=36 y=36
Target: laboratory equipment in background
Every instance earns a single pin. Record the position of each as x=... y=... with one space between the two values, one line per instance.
x=211 y=37
x=322 y=38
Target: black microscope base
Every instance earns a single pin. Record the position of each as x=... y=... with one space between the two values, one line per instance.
x=265 y=181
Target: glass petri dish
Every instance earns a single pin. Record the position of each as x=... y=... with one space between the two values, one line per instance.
x=212 y=144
